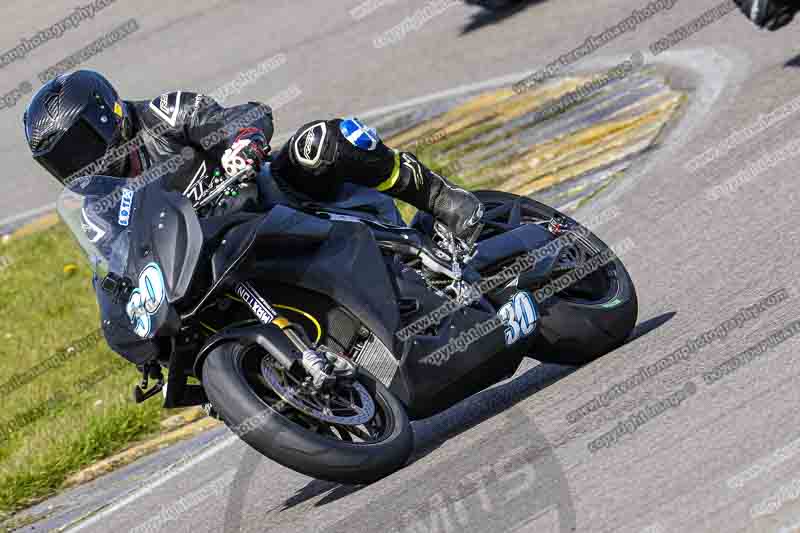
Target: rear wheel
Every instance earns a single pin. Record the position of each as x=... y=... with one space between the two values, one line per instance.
x=597 y=311
x=355 y=433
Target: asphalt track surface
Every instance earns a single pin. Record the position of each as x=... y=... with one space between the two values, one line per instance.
x=511 y=460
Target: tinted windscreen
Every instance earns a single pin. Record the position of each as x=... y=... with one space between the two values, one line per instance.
x=97 y=210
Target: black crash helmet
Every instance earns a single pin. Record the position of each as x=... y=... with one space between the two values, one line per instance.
x=72 y=121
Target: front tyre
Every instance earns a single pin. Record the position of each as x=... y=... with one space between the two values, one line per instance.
x=257 y=400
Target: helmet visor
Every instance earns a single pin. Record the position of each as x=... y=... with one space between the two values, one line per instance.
x=79 y=147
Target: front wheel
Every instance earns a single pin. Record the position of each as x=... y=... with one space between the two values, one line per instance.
x=355 y=433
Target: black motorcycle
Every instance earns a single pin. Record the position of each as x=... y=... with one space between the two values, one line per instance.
x=317 y=331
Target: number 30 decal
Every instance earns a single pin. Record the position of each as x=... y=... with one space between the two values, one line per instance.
x=146 y=299
x=520 y=317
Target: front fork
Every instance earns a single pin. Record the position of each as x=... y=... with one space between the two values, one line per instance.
x=285 y=341
x=315 y=364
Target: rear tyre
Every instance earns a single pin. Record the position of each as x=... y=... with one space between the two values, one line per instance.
x=591 y=317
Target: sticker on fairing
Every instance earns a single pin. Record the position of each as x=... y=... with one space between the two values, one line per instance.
x=125 y=206
x=93 y=232
x=520 y=317
x=138 y=315
x=257 y=304
x=359 y=135
x=146 y=299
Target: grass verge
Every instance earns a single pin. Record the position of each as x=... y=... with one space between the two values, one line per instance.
x=65 y=395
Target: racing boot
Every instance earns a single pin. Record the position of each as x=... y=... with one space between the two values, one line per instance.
x=458 y=209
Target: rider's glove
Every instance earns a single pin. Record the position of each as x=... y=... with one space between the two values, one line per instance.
x=769 y=14
x=247 y=153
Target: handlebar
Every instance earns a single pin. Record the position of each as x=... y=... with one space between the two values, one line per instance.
x=219 y=189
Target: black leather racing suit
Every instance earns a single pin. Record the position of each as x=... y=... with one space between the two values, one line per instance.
x=320 y=157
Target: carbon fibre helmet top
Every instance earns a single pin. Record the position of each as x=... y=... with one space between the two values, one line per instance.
x=72 y=121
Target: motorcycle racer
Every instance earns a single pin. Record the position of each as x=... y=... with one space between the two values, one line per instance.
x=77 y=124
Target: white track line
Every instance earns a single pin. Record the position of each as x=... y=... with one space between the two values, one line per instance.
x=147 y=489
x=27 y=214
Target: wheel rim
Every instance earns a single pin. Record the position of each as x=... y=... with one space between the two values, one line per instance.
x=369 y=421
x=349 y=405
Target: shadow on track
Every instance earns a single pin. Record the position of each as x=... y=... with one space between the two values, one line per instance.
x=431 y=433
x=495 y=11
x=649 y=325
x=793 y=62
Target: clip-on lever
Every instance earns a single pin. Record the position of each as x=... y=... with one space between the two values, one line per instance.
x=220 y=188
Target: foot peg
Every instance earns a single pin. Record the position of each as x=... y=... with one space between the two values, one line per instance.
x=149 y=371
x=211 y=411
